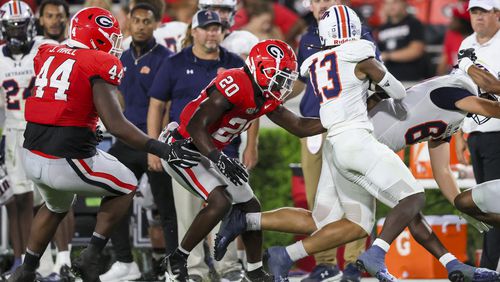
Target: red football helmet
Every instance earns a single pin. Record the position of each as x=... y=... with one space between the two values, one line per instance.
x=96 y=28
x=273 y=65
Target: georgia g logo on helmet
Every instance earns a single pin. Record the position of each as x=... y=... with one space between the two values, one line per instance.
x=104 y=21
x=275 y=51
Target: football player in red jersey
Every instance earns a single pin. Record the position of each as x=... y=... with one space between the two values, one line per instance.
x=75 y=84
x=225 y=108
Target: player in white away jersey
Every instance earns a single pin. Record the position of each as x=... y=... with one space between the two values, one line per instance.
x=16 y=81
x=342 y=200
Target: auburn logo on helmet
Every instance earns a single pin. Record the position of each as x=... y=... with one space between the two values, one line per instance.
x=275 y=51
x=104 y=21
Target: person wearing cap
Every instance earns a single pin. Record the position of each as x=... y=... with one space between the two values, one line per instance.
x=484 y=139
x=458 y=29
x=141 y=63
x=180 y=80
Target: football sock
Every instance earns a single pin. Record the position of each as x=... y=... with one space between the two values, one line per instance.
x=296 y=251
x=381 y=244
x=253 y=221
x=31 y=260
x=254 y=266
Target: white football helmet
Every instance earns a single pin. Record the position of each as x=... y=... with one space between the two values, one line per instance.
x=230 y=5
x=17 y=23
x=337 y=25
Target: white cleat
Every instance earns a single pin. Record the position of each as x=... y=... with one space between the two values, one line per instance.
x=121 y=271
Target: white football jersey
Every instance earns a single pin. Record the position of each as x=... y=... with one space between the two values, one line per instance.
x=416 y=118
x=240 y=42
x=343 y=95
x=17 y=78
x=168 y=34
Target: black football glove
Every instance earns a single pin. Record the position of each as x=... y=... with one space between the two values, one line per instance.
x=467 y=53
x=231 y=168
x=181 y=155
x=176 y=153
x=99 y=134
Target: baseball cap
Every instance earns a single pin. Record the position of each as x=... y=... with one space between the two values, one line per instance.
x=205 y=17
x=484 y=4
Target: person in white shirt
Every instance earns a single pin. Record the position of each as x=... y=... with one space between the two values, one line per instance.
x=484 y=139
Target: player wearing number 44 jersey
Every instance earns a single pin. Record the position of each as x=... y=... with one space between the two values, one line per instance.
x=224 y=109
x=75 y=84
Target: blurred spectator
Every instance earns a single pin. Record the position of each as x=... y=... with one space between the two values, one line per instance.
x=288 y=21
x=54 y=17
x=260 y=21
x=458 y=29
x=105 y=4
x=401 y=40
x=122 y=18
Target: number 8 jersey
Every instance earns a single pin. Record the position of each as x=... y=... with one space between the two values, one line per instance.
x=62 y=99
x=342 y=95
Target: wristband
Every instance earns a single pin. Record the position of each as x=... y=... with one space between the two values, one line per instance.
x=214 y=155
x=155 y=147
x=465 y=64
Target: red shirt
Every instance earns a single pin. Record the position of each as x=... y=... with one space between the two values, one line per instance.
x=452 y=41
x=63 y=90
x=284 y=18
x=237 y=87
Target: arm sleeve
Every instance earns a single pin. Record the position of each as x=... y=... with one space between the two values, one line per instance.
x=110 y=68
x=161 y=88
x=393 y=87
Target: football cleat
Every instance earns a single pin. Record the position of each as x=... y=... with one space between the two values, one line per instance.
x=279 y=263
x=232 y=225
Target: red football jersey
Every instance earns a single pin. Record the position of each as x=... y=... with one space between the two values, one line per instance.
x=62 y=95
x=237 y=87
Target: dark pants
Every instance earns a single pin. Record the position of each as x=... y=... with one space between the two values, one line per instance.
x=161 y=187
x=485 y=156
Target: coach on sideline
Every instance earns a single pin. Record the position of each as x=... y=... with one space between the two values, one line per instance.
x=141 y=63
x=484 y=139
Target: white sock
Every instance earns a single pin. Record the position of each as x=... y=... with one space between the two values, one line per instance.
x=63 y=257
x=183 y=251
x=382 y=244
x=241 y=254
x=446 y=258
x=296 y=251
x=254 y=266
x=253 y=221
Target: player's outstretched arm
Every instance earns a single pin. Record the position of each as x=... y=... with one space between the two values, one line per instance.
x=439 y=153
x=480 y=106
x=109 y=111
x=374 y=70
x=299 y=126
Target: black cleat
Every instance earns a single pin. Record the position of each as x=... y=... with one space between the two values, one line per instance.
x=231 y=226
x=22 y=275
x=86 y=266
x=259 y=275
x=176 y=267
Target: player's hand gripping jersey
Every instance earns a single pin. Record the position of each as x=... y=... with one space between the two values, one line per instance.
x=236 y=85
x=343 y=95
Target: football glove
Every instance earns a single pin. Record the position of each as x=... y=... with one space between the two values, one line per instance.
x=176 y=153
x=181 y=155
x=467 y=53
x=231 y=168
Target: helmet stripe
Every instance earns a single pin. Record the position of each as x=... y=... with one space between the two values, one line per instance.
x=348 y=23
x=338 y=22
x=16 y=9
x=343 y=22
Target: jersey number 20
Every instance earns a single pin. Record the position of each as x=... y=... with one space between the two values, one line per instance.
x=325 y=77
